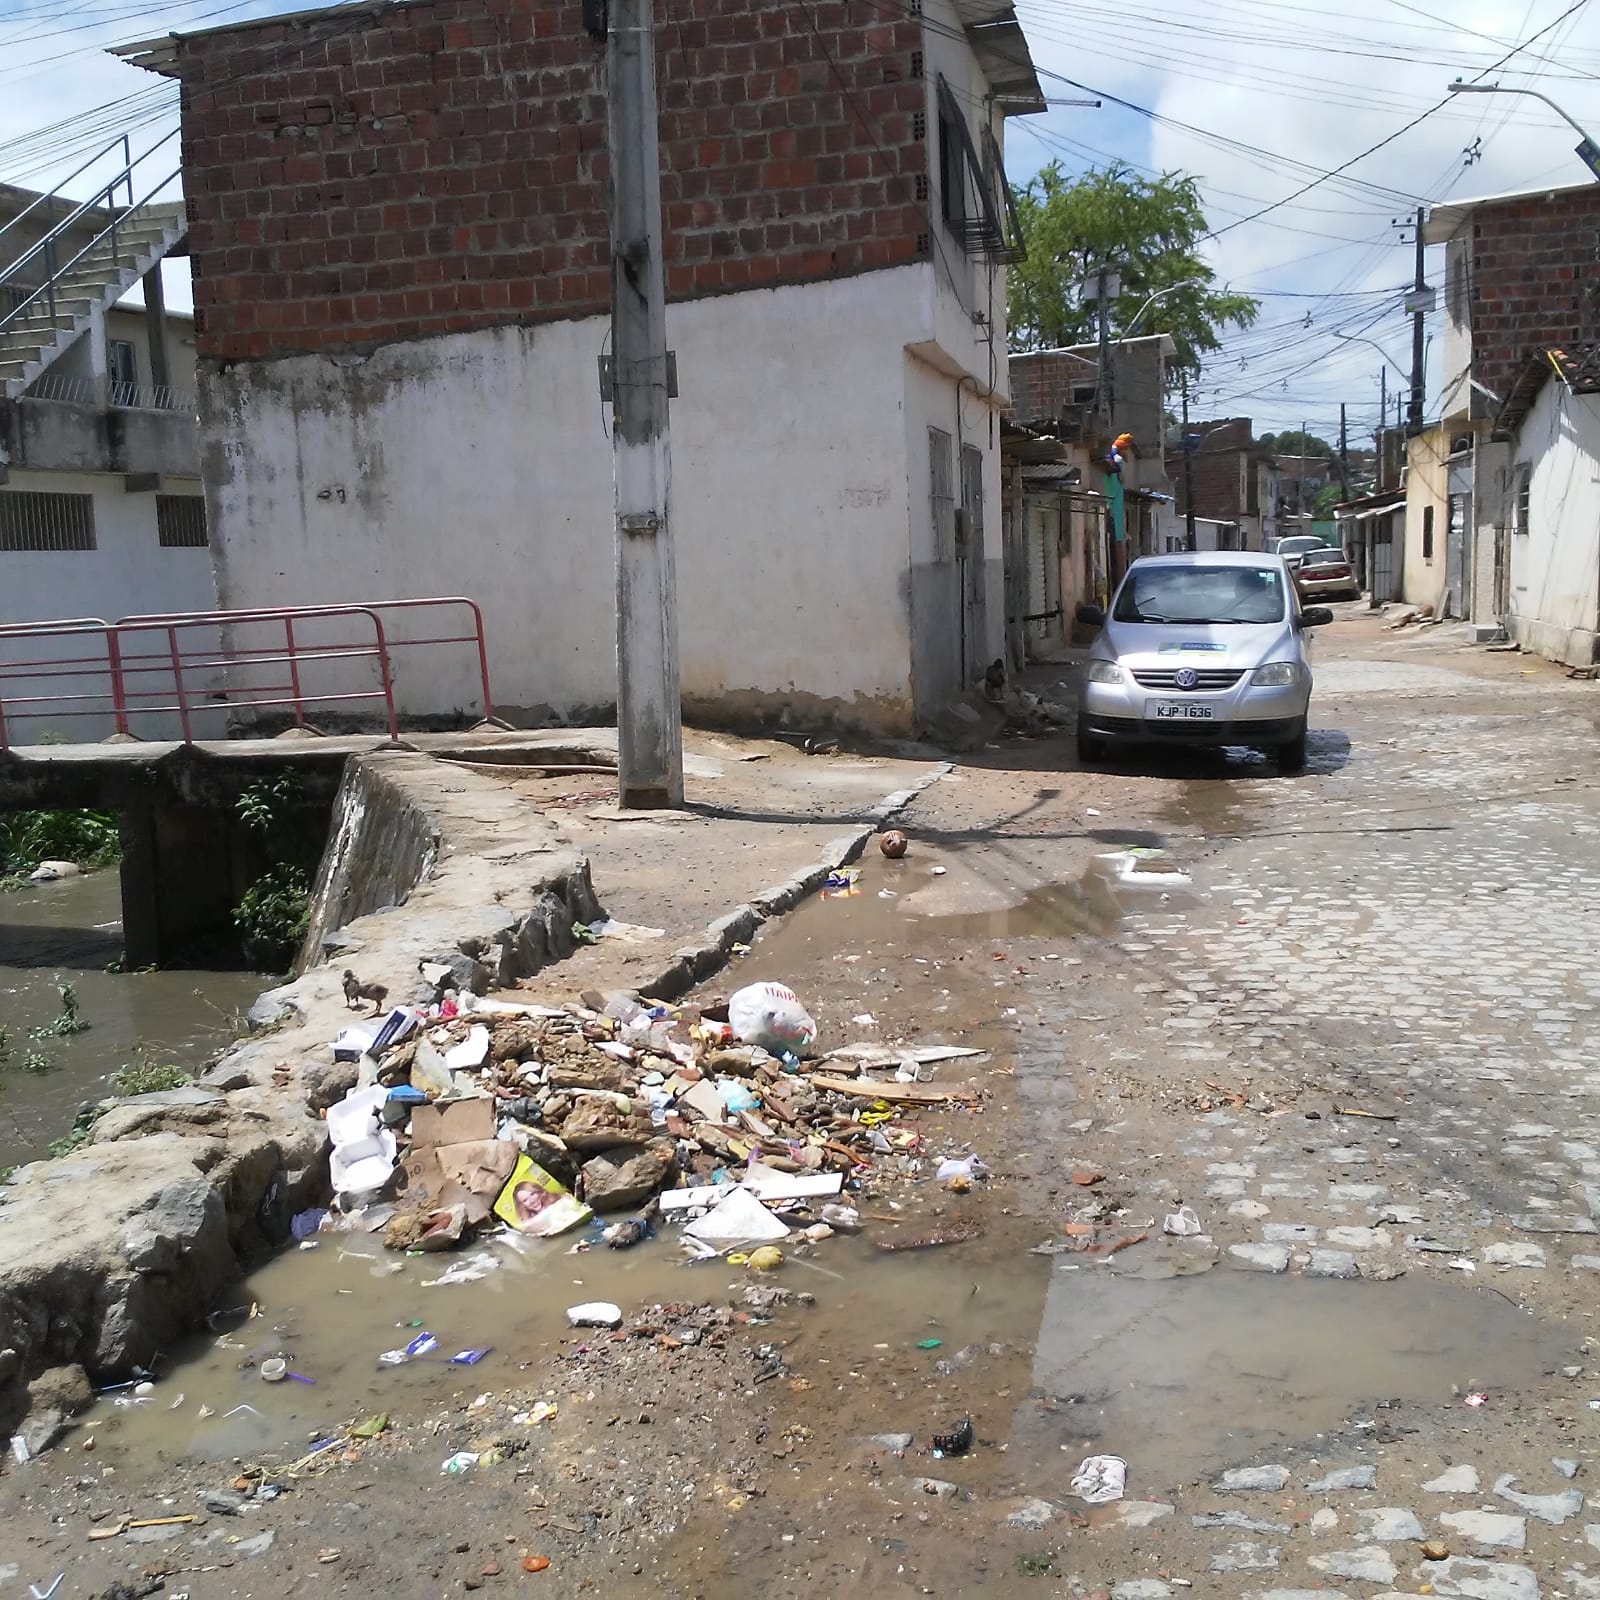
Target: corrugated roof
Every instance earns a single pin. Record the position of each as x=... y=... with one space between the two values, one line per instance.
x=1577 y=365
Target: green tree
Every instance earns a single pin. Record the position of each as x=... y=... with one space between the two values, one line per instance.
x=1296 y=443
x=1147 y=230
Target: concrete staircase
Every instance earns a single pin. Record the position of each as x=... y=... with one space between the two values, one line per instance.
x=99 y=278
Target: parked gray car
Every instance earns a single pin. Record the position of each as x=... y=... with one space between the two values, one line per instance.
x=1200 y=649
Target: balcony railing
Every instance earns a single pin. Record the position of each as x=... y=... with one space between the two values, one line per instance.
x=119 y=395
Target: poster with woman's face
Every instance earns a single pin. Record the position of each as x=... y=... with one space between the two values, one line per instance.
x=533 y=1202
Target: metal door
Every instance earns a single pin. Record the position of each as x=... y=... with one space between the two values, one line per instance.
x=1383 y=573
x=970 y=553
x=1455 y=558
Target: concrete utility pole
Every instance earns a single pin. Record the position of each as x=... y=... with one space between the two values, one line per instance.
x=1414 y=413
x=1344 y=458
x=1188 y=471
x=1105 y=354
x=649 y=725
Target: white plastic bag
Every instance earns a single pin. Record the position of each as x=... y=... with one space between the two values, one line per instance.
x=771 y=1016
x=1101 y=1479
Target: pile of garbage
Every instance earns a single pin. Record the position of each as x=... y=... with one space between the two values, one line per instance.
x=473 y=1114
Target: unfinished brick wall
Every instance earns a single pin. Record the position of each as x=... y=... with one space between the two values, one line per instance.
x=1535 y=280
x=1042 y=383
x=434 y=167
x=1215 y=470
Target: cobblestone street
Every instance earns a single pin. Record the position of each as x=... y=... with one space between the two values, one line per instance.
x=1348 y=1020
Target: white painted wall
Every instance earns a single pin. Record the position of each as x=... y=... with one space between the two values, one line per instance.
x=127 y=573
x=129 y=324
x=1555 y=566
x=479 y=464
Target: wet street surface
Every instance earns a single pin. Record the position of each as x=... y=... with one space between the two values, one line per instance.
x=1341 y=1024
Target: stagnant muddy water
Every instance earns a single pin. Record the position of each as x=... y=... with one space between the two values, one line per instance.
x=1162 y=1355
x=70 y=933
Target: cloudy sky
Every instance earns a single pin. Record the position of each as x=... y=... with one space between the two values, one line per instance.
x=1256 y=98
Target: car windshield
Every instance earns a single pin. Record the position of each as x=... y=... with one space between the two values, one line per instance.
x=1201 y=593
x=1322 y=558
x=1294 y=547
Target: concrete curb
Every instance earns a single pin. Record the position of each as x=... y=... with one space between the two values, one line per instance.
x=695 y=963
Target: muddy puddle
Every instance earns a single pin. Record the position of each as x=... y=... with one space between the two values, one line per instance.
x=1188 y=1375
x=330 y=1314
x=907 y=902
x=69 y=933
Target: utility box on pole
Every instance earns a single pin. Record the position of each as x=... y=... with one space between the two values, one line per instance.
x=649 y=723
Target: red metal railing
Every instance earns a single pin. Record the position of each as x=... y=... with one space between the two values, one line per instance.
x=118 y=668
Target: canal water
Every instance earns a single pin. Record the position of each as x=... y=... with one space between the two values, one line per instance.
x=70 y=933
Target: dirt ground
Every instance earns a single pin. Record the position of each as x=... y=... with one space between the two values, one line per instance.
x=1347 y=1019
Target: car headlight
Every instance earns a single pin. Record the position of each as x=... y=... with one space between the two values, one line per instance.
x=1276 y=674
x=1104 y=672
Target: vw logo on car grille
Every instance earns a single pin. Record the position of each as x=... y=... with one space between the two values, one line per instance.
x=1186 y=677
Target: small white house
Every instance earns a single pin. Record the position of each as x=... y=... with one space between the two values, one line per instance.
x=1551 y=420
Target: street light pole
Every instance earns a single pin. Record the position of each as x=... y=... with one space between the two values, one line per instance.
x=1188 y=472
x=1588 y=151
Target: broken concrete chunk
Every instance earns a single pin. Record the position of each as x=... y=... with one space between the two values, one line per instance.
x=1554 y=1508
x=1134 y=1513
x=1454 y=1480
x=618 y=1181
x=1239 y=1480
x=1479 y=1580
x=1261 y=1257
x=1245 y=1557
x=1381 y=1524
x=1488 y=1527
x=1369 y=1565
x=1332 y=1264
x=1141 y=1589
x=1237 y=1519
x=1513 y=1255
x=1344 y=1478
x=1033 y=1514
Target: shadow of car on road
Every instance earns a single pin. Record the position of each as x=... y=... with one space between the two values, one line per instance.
x=1327 y=751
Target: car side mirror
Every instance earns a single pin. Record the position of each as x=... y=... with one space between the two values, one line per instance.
x=1094 y=617
x=1316 y=617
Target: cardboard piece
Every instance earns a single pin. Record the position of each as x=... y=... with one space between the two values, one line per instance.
x=470 y=1174
x=452 y=1122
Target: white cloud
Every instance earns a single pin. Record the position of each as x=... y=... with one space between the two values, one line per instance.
x=1235 y=69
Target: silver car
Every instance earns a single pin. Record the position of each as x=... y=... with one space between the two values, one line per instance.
x=1297 y=546
x=1202 y=649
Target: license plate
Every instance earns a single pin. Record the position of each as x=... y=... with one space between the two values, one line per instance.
x=1178 y=711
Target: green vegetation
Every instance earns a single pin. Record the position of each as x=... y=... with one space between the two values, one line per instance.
x=1149 y=231
x=274 y=912
x=272 y=917
x=68 y=1022
x=29 y=837
x=145 y=1076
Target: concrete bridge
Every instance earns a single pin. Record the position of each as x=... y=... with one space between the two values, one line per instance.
x=186 y=856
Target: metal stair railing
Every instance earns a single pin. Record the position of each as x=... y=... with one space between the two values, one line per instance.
x=45 y=252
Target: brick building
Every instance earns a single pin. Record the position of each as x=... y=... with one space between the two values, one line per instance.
x=1521 y=272
x=401 y=260
x=1235 y=481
